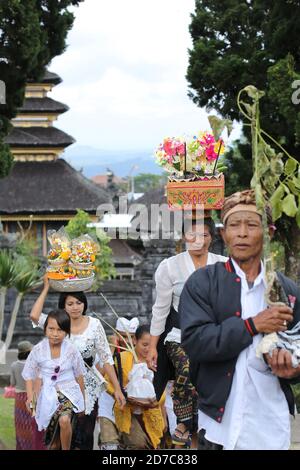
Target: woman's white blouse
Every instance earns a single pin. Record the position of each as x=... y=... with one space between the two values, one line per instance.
x=170 y=277
x=89 y=343
x=40 y=364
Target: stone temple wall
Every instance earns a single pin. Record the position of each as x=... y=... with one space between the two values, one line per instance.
x=134 y=298
x=126 y=297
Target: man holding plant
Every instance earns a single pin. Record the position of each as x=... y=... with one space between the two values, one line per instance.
x=244 y=401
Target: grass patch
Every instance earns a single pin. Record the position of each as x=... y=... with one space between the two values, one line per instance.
x=7 y=424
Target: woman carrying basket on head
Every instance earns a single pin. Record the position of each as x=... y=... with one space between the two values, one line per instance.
x=166 y=356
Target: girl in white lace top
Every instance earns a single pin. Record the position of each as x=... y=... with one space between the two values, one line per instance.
x=89 y=337
x=61 y=368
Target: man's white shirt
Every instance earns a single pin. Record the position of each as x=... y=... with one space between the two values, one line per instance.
x=256 y=415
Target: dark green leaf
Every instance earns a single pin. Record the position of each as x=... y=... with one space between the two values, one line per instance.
x=253 y=92
x=293 y=188
x=218 y=125
x=289 y=206
x=276 y=165
x=277 y=196
x=290 y=166
x=277 y=210
x=296 y=182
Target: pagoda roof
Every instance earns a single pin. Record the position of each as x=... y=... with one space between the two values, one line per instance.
x=42 y=105
x=49 y=77
x=38 y=137
x=53 y=187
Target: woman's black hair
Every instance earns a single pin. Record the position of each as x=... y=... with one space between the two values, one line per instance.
x=141 y=330
x=62 y=318
x=78 y=295
x=23 y=355
x=208 y=221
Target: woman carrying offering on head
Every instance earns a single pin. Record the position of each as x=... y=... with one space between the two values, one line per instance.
x=166 y=357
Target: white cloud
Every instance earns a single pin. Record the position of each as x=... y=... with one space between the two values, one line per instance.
x=124 y=74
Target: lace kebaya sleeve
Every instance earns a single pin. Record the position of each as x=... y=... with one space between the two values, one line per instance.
x=102 y=347
x=78 y=364
x=31 y=369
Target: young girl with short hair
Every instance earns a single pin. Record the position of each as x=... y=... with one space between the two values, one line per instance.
x=61 y=368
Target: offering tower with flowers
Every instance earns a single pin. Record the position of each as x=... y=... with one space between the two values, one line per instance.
x=196 y=168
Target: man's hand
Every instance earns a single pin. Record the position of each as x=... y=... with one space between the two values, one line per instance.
x=273 y=319
x=281 y=364
x=152 y=359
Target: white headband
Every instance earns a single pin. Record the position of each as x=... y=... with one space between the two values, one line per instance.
x=240 y=208
x=127 y=326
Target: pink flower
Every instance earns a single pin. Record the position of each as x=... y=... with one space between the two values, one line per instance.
x=211 y=155
x=207 y=140
x=169 y=148
x=180 y=148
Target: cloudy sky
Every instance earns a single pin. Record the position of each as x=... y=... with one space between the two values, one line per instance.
x=124 y=74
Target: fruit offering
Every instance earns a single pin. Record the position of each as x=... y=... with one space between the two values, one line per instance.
x=71 y=262
x=60 y=250
x=84 y=250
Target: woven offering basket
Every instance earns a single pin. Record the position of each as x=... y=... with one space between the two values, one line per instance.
x=56 y=262
x=72 y=285
x=207 y=191
x=82 y=266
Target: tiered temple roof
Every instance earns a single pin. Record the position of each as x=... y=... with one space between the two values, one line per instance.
x=47 y=187
x=41 y=184
x=38 y=137
x=33 y=136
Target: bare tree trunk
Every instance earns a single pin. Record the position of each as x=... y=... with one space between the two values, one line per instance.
x=13 y=320
x=3 y=291
x=292 y=258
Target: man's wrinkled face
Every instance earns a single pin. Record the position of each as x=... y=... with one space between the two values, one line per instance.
x=243 y=235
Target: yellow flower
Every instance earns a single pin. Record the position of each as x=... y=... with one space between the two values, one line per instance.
x=65 y=254
x=217 y=145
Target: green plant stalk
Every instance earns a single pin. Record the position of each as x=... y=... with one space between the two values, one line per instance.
x=216 y=162
x=259 y=197
x=3 y=291
x=259 y=192
x=13 y=320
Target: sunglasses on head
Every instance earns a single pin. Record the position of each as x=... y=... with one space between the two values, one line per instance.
x=56 y=371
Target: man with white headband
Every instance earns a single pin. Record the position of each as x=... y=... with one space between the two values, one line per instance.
x=109 y=436
x=244 y=401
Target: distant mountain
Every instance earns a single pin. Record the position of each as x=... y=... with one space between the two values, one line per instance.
x=96 y=161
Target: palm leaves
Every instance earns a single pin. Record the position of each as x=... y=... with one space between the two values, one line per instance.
x=7 y=276
x=7 y=269
x=20 y=273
